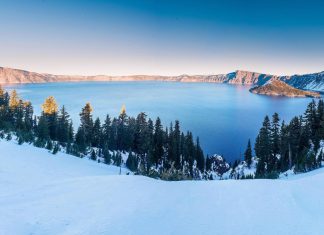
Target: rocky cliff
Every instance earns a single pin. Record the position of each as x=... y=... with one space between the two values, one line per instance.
x=313 y=81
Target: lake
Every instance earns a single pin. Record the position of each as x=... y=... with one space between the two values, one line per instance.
x=223 y=116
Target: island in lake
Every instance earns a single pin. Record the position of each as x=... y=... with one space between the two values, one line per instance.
x=280 y=88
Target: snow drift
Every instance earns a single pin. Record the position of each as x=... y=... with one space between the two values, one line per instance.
x=46 y=194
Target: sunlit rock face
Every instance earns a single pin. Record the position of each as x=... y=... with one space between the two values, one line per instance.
x=280 y=88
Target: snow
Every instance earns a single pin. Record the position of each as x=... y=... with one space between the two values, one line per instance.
x=243 y=170
x=45 y=194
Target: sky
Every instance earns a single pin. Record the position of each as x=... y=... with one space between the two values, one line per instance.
x=124 y=37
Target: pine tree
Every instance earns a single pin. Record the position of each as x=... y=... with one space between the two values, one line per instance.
x=176 y=144
x=80 y=140
x=50 y=106
x=309 y=121
x=294 y=147
x=87 y=123
x=70 y=133
x=19 y=116
x=132 y=162
x=275 y=133
x=63 y=126
x=107 y=133
x=14 y=100
x=28 y=116
x=263 y=148
x=96 y=134
x=200 y=156
x=189 y=154
x=106 y=155
x=141 y=134
x=122 y=129
x=248 y=154
x=42 y=129
x=284 y=148
x=50 y=109
x=170 y=144
x=158 y=142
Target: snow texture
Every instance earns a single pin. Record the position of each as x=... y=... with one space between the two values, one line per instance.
x=45 y=194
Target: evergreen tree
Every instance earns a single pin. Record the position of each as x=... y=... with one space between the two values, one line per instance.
x=284 y=148
x=158 y=142
x=50 y=109
x=141 y=134
x=200 y=156
x=176 y=144
x=80 y=140
x=106 y=155
x=122 y=134
x=64 y=126
x=87 y=123
x=263 y=148
x=50 y=106
x=28 y=116
x=14 y=99
x=42 y=129
x=294 y=147
x=107 y=133
x=96 y=134
x=70 y=133
x=248 y=154
x=132 y=162
x=275 y=134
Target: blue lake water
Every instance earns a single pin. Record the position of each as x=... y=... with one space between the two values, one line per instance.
x=223 y=116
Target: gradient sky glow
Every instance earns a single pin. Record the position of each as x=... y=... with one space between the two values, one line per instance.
x=121 y=37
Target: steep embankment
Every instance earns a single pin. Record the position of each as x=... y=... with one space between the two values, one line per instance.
x=49 y=194
x=280 y=88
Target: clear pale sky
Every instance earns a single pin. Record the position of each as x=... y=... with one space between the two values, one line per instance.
x=166 y=37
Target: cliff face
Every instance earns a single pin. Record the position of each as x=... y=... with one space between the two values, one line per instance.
x=250 y=78
x=280 y=88
x=8 y=75
x=17 y=76
x=307 y=82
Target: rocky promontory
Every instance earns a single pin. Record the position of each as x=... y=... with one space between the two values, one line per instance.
x=280 y=88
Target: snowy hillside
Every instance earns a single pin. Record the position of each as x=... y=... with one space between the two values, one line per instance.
x=44 y=194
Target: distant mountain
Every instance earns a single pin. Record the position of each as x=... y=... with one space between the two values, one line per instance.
x=313 y=81
x=280 y=88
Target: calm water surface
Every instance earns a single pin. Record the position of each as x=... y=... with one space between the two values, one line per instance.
x=223 y=116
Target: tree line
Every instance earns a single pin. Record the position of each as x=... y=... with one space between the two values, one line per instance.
x=295 y=145
x=153 y=150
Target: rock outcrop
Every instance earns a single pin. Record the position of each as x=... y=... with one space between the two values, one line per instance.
x=280 y=88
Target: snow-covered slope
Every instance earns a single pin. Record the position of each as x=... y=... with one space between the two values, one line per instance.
x=45 y=194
